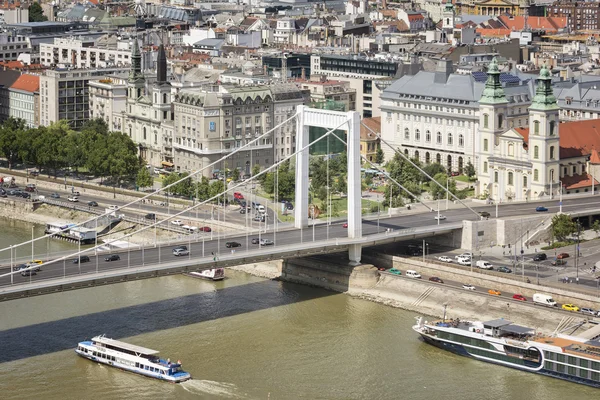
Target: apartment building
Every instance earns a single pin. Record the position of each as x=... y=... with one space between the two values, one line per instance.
x=325 y=90
x=85 y=53
x=108 y=100
x=24 y=99
x=286 y=97
x=12 y=45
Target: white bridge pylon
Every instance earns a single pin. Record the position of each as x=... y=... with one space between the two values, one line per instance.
x=350 y=122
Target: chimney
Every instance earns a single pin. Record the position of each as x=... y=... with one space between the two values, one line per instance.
x=443 y=71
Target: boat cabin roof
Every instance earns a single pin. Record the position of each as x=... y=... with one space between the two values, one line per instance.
x=123 y=345
x=517 y=330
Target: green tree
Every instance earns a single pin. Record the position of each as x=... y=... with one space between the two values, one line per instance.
x=36 y=14
x=341 y=185
x=203 y=189
x=74 y=151
x=469 y=170
x=50 y=145
x=563 y=226
x=235 y=175
x=432 y=170
x=144 y=179
x=255 y=169
x=379 y=156
x=122 y=156
x=596 y=227
x=12 y=133
x=436 y=191
x=216 y=187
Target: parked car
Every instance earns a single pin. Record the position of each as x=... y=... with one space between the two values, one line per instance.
x=242 y=211
x=436 y=279
x=3 y=193
x=206 y=229
x=559 y=262
x=560 y=256
x=519 y=297
x=81 y=259
x=484 y=214
x=540 y=257
x=181 y=251
x=439 y=217
x=177 y=222
x=73 y=199
x=395 y=271
x=92 y=204
x=266 y=242
x=238 y=195
x=112 y=257
x=589 y=311
x=30 y=187
x=25 y=195
x=232 y=244
x=445 y=259
x=150 y=216
x=494 y=292
x=55 y=196
x=541 y=209
x=468 y=287
x=345 y=225
x=255 y=241
x=570 y=307
x=504 y=269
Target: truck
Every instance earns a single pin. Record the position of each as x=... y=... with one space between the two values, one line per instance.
x=544 y=300
x=483 y=265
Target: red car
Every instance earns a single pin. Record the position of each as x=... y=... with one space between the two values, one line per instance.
x=562 y=255
x=519 y=297
x=345 y=225
x=205 y=229
x=238 y=195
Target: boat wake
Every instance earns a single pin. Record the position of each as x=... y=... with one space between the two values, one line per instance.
x=198 y=386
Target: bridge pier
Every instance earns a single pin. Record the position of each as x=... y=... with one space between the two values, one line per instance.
x=302 y=137
x=354 y=253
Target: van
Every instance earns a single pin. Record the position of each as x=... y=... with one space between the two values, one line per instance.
x=413 y=274
x=464 y=261
x=544 y=300
x=483 y=265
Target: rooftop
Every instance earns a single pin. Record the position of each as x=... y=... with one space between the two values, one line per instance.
x=27 y=83
x=123 y=345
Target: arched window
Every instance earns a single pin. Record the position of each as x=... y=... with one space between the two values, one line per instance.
x=495 y=176
x=536 y=127
x=536 y=152
x=416 y=155
x=427 y=158
x=486 y=119
x=144 y=133
x=485 y=167
x=500 y=120
x=427 y=136
x=165 y=98
x=510 y=178
x=406 y=134
x=551 y=175
x=439 y=138
x=552 y=152
x=536 y=175
x=511 y=150
x=438 y=158
x=461 y=141
x=524 y=181
x=485 y=145
x=417 y=134
x=449 y=139
x=405 y=152
x=552 y=126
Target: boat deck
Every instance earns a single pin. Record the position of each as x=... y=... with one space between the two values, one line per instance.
x=572 y=346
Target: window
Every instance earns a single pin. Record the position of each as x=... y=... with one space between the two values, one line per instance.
x=524 y=181
x=428 y=136
x=485 y=167
x=536 y=175
x=406 y=134
x=552 y=152
x=449 y=139
x=511 y=150
x=144 y=133
x=485 y=145
x=536 y=127
x=552 y=126
x=510 y=178
x=485 y=120
x=495 y=176
x=461 y=141
x=500 y=120
x=417 y=134
x=439 y=138
x=536 y=152
x=574 y=169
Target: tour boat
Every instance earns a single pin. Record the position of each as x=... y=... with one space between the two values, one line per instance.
x=215 y=274
x=572 y=358
x=131 y=358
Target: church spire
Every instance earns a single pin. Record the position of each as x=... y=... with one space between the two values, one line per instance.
x=135 y=73
x=544 y=98
x=161 y=65
x=493 y=92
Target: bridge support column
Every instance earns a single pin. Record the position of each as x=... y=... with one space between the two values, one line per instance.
x=354 y=253
x=301 y=206
x=354 y=178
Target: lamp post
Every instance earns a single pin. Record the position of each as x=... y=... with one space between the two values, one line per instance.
x=560 y=197
x=447 y=196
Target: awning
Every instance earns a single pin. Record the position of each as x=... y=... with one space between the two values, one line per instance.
x=167 y=164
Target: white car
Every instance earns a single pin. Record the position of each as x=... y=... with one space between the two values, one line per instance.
x=468 y=287
x=177 y=222
x=464 y=255
x=73 y=199
x=113 y=207
x=445 y=259
x=440 y=217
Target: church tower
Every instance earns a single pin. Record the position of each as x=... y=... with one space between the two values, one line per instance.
x=448 y=16
x=136 y=81
x=161 y=91
x=492 y=124
x=544 y=146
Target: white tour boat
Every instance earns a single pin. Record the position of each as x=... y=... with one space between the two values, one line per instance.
x=215 y=274
x=131 y=358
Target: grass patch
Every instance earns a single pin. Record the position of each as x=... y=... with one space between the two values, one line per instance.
x=557 y=245
x=462 y=178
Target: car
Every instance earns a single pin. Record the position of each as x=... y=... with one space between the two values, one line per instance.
x=238 y=196
x=150 y=216
x=540 y=257
x=30 y=188
x=55 y=196
x=36 y=264
x=186 y=227
x=233 y=244
x=258 y=218
x=589 y=311
x=504 y=269
x=81 y=259
x=466 y=261
x=177 y=222
x=25 y=195
x=560 y=256
x=484 y=214
x=243 y=211
x=345 y=225
x=436 y=279
x=570 y=307
x=40 y=262
x=464 y=255
x=395 y=271
x=180 y=251
x=255 y=240
x=266 y=242
x=112 y=257
x=541 y=209
x=494 y=292
x=519 y=297
x=92 y=204
x=559 y=262
x=3 y=193
x=206 y=229
x=113 y=207
x=445 y=259
x=157 y=171
x=75 y=193
x=468 y=287
x=19 y=267
x=439 y=217
x=28 y=272
x=455 y=173
x=73 y=199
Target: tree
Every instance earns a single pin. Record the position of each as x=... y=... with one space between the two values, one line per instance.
x=216 y=188
x=122 y=156
x=203 y=189
x=596 y=227
x=470 y=170
x=563 y=226
x=379 y=156
x=36 y=14
x=50 y=145
x=256 y=170
x=74 y=150
x=12 y=132
x=432 y=170
x=436 y=191
x=144 y=179
x=235 y=175
x=341 y=185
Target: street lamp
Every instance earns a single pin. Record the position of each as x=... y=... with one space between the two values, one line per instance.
x=560 y=197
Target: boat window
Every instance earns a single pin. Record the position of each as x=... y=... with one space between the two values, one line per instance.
x=137 y=365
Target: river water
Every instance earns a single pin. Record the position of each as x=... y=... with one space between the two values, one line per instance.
x=242 y=338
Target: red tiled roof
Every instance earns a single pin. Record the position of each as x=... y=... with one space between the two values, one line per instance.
x=94 y=2
x=374 y=123
x=595 y=157
x=414 y=17
x=579 y=138
x=577 y=181
x=493 y=32
x=28 y=83
x=523 y=132
x=549 y=24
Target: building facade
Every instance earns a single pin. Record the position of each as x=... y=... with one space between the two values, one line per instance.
x=325 y=90
x=24 y=99
x=108 y=100
x=12 y=45
x=82 y=53
x=580 y=15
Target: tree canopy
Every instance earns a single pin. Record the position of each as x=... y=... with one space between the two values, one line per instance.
x=563 y=226
x=36 y=14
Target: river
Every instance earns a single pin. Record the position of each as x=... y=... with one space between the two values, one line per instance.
x=242 y=338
